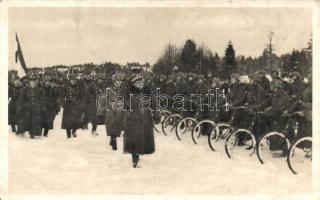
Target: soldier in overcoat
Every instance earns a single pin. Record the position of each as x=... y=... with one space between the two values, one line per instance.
x=50 y=98
x=257 y=100
x=14 y=92
x=237 y=95
x=72 y=108
x=113 y=116
x=31 y=109
x=138 y=134
x=91 y=92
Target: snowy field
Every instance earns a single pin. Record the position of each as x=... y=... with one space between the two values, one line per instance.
x=87 y=165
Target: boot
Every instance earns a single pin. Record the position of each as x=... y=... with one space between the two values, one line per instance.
x=13 y=128
x=31 y=135
x=68 y=133
x=114 y=143
x=114 y=146
x=135 y=160
x=94 y=130
x=74 y=132
x=45 y=132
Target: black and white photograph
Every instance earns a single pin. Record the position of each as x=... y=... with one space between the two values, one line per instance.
x=184 y=99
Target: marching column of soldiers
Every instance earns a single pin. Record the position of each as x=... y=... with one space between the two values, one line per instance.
x=35 y=101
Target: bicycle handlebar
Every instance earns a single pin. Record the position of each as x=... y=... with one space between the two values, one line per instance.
x=297 y=113
x=246 y=108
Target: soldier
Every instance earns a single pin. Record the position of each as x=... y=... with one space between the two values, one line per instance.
x=100 y=89
x=304 y=104
x=209 y=78
x=169 y=89
x=278 y=103
x=113 y=117
x=161 y=84
x=192 y=87
x=219 y=113
x=138 y=134
x=31 y=108
x=180 y=85
x=72 y=110
x=257 y=99
x=201 y=101
x=14 y=92
x=296 y=88
x=237 y=97
x=264 y=81
x=84 y=86
x=149 y=81
x=51 y=106
x=90 y=94
x=275 y=74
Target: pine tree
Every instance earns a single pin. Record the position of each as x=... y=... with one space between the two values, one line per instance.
x=189 y=57
x=229 y=61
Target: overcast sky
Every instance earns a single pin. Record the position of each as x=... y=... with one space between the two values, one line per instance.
x=51 y=36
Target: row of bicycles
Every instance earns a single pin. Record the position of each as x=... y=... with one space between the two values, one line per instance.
x=239 y=142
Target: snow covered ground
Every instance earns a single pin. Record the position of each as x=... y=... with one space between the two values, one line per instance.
x=87 y=165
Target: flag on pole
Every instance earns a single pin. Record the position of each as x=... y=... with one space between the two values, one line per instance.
x=19 y=56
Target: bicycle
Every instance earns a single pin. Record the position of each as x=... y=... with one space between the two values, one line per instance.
x=242 y=138
x=198 y=128
x=300 y=155
x=170 y=122
x=277 y=142
x=163 y=114
x=185 y=126
x=220 y=132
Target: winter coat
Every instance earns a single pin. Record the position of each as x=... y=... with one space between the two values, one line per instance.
x=51 y=106
x=14 y=93
x=99 y=117
x=91 y=91
x=30 y=110
x=257 y=97
x=237 y=94
x=72 y=117
x=297 y=88
x=138 y=134
x=114 y=118
x=278 y=104
x=307 y=102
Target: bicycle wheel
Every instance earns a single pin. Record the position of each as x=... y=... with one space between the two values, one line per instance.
x=272 y=145
x=299 y=159
x=199 y=129
x=184 y=127
x=240 y=143
x=164 y=114
x=220 y=132
x=169 y=123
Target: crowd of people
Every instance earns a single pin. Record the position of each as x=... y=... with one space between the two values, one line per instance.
x=35 y=100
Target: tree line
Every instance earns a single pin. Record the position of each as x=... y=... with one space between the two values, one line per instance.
x=201 y=60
